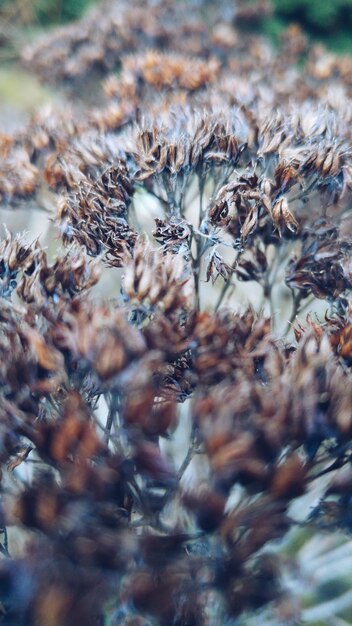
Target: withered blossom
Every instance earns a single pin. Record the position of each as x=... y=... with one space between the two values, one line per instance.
x=99 y=42
x=94 y=214
x=155 y=443
x=162 y=70
x=153 y=282
x=170 y=147
x=18 y=176
x=323 y=267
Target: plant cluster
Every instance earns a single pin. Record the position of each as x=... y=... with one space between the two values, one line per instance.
x=207 y=162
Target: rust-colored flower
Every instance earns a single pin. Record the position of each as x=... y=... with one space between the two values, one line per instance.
x=158 y=428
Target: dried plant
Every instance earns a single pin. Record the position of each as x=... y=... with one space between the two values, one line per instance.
x=157 y=444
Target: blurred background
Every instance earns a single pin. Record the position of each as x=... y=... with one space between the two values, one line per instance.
x=328 y=21
x=323 y=21
x=21 y=21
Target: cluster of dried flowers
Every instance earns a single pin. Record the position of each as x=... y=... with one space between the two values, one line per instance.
x=244 y=162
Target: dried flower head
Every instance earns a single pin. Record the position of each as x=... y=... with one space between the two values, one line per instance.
x=155 y=441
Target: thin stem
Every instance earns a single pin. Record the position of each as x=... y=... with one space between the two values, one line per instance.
x=222 y=294
x=227 y=284
x=201 y=184
x=217 y=186
x=193 y=449
x=212 y=240
x=271 y=279
x=196 y=269
x=340 y=462
x=297 y=299
x=186 y=461
x=303 y=192
x=297 y=308
x=111 y=417
x=195 y=266
x=4 y=547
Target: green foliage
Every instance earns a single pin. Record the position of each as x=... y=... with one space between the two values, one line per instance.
x=273 y=27
x=59 y=10
x=329 y=22
x=341 y=42
x=316 y=15
x=44 y=11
